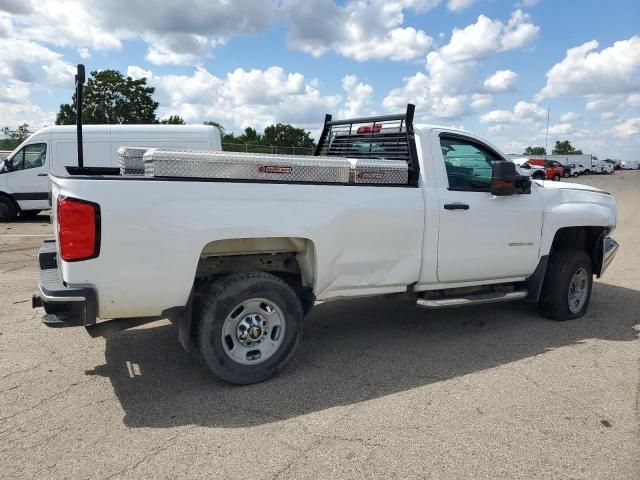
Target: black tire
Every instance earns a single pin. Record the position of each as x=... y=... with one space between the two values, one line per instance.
x=565 y=174
x=538 y=176
x=556 y=177
x=554 y=299
x=8 y=209
x=575 y=175
x=217 y=300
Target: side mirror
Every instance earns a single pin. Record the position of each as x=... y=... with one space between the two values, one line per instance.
x=8 y=166
x=503 y=179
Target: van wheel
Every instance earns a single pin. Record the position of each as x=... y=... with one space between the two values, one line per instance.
x=565 y=174
x=8 y=209
x=567 y=285
x=249 y=325
x=575 y=175
x=538 y=176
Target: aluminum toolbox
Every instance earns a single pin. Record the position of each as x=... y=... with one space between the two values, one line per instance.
x=377 y=170
x=246 y=166
x=131 y=160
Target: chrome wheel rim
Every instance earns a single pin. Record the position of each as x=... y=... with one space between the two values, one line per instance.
x=253 y=331
x=578 y=290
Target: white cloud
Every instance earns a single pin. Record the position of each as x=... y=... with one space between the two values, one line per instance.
x=528 y=3
x=481 y=100
x=634 y=100
x=443 y=92
x=242 y=98
x=608 y=115
x=585 y=71
x=59 y=73
x=561 y=129
x=457 y=5
x=137 y=73
x=362 y=30
x=627 y=128
x=84 y=53
x=523 y=112
x=17 y=108
x=569 y=117
x=177 y=31
x=487 y=37
x=359 y=98
x=501 y=81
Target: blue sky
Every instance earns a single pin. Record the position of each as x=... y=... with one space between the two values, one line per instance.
x=492 y=67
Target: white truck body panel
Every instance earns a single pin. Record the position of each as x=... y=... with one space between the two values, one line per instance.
x=29 y=187
x=365 y=240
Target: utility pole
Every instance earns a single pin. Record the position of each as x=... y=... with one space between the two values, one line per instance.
x=546 y=139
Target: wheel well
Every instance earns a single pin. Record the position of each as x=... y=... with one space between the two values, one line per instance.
x=288 y=258
x=581 y=238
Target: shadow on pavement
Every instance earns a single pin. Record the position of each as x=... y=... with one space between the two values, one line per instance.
x=352 y=351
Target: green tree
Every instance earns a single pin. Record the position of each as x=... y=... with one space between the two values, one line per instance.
x=251 y=136
x=535 y=151
x=565 y=148
x=284 y=135
x=173 y=120
x=111 y=98
x=13 y=138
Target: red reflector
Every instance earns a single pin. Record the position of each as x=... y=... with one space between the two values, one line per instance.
x=77 y=229
x=369 y=129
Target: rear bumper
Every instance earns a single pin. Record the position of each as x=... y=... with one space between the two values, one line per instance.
x=65 y=306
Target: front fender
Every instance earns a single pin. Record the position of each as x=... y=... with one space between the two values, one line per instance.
x=572 y=208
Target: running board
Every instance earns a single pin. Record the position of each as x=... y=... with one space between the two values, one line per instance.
x=473 y=299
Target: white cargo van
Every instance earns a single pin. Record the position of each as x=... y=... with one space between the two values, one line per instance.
x=24 y=175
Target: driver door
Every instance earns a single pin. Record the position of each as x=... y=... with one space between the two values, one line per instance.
x=482 y=237
x=28 y=178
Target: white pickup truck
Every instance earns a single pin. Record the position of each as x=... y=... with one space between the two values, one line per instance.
x=237 y=262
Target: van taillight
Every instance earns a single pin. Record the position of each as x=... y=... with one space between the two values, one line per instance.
x=78 y=229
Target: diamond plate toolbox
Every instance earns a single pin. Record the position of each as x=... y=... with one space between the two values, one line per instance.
x=380 y=171
x=131 y=160
x=246 y=166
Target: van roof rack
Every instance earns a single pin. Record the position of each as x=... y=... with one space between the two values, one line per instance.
x=389 y=137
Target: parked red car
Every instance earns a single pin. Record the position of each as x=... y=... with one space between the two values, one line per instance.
x=553 y=170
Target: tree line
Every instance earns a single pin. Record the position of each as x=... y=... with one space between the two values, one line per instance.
x=560 y=148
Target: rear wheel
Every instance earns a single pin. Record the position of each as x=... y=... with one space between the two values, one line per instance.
x=249 y=325
x=538 y=176
x=556 y=177
x=566 y=291
x=8 y=209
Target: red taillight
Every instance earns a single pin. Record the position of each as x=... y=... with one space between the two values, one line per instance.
x=78 y=224
x=370 y=129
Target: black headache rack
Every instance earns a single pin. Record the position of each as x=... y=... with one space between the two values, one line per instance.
x=388 y=137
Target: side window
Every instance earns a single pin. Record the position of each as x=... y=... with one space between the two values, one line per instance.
x=468 y=164
x=30 y=156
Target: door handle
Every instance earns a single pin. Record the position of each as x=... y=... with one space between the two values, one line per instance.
x=456 y=206
x=43 y=174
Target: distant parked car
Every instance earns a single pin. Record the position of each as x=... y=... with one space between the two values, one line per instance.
x=553 y=170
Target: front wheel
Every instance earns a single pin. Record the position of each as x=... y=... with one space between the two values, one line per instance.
x=538 y=176
x=575 y=175
x=566 y=291
x=556 y=177
x=565 y=174
x=249 y=325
